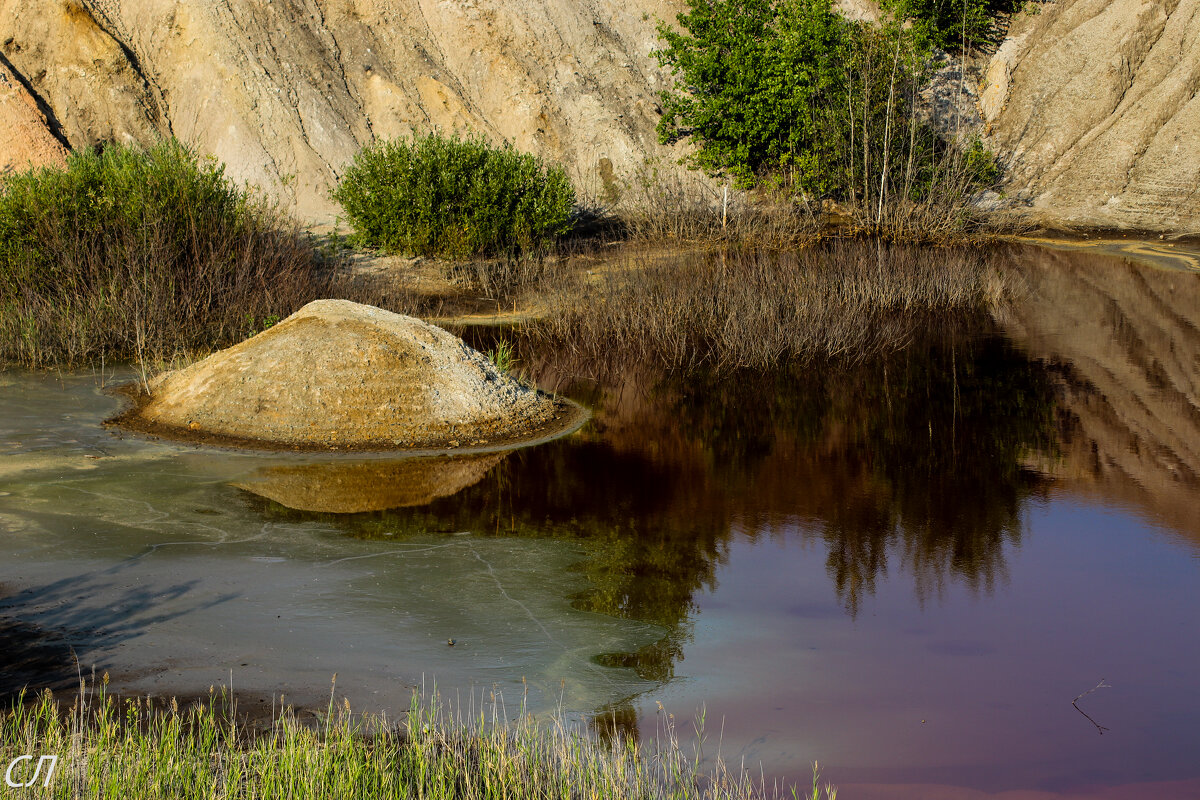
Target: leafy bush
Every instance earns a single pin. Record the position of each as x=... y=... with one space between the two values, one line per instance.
x=447 y=196
x=954 y=24
x=132 y=253
x=99 y=193
x=791 y=91
x=751 y=78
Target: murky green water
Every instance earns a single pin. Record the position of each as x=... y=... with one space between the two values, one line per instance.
x=906 y=569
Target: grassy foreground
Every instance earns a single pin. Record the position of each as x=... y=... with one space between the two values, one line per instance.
x=110 y=748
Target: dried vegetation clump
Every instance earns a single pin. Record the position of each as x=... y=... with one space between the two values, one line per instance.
x=757 y=308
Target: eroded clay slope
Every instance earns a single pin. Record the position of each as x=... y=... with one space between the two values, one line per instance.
x=286 y=91
x=24 y=129
x=1095 y=107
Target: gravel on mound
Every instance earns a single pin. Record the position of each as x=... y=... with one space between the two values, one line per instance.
x=344 y=376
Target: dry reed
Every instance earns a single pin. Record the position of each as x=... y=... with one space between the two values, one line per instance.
x=757 y=308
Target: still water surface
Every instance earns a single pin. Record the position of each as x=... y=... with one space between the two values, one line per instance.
x=905 y=568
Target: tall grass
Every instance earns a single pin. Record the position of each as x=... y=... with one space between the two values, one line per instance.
x=131 y=254
x=758 y=308
x=111 y=748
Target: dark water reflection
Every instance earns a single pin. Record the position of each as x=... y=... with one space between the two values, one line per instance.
x=914 y=463
x=928 y=468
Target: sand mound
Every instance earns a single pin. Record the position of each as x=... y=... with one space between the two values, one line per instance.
x=339 y=375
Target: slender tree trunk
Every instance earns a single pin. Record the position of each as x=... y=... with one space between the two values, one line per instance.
x=887 y=133
x=866 y=133
x=910 y=168
x=850 y=114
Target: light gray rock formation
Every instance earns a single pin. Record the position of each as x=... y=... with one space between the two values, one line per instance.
x=1094 y=105
x=286 y=91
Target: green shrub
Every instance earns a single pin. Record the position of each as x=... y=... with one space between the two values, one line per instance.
x=791 y=92
x=955 y=24
x=101 y=192
x=980 y=162
x=447 y=196
x=751 y=75
x=130 y=253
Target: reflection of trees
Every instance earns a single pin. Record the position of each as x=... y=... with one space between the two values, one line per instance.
x=944 y=432
x=919 y=454
x=915 y=457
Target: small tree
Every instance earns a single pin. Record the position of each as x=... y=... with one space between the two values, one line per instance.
x=791 y=90
x=954 y=24
x=754 y=81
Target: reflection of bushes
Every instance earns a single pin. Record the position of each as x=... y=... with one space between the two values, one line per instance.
x=955 y=492
x=929 y=442
x=848 y=300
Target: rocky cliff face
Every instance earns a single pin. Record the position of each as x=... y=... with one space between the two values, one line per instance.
x=1095 y=107
x=286 y=91
x=24 y=128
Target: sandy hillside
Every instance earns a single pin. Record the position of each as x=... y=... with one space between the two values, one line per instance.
x=285 y=92
x=24 y=129
x=1094 y=106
